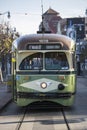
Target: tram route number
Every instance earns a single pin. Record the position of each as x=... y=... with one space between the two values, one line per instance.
x=44 y=47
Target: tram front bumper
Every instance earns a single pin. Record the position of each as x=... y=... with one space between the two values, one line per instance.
x=44 y=95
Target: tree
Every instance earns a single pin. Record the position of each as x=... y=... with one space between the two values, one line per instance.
x=5 y=44
x=6 y=39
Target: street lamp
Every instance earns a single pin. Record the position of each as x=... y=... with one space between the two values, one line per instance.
x=8 y=14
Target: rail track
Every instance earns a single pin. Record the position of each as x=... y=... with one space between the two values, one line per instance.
x=21 y=121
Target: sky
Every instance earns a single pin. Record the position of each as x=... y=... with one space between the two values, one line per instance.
x=26 y=14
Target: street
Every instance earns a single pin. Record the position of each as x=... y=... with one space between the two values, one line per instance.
x=11 y=117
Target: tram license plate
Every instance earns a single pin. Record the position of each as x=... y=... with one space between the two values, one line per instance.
x=42 y=95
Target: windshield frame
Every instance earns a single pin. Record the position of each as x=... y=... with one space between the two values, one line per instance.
x=57 y=61
x=44 y=62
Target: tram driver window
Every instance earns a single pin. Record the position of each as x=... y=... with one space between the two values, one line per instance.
x=56 y=61
x=32 y=62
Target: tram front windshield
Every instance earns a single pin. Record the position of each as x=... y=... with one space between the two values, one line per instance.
x=47 y=61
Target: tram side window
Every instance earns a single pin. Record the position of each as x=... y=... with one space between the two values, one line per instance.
x=56 y=61
x=32 y=62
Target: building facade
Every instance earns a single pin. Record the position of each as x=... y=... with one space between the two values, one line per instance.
x=86 y=27
x=76 y=28
x=72 y=27
x=50 y=21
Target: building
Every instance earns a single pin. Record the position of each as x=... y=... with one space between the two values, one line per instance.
x=50 y=21
x=86 y=27
x=72 y=27
x=76 y=28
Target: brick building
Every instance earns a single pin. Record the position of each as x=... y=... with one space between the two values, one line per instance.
x=50 y=20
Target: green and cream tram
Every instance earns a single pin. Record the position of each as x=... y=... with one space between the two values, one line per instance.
x=43 y=69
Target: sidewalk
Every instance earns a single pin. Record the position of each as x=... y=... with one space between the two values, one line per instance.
x=5 y=95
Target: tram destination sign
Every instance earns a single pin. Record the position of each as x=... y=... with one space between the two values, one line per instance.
x=44 y=46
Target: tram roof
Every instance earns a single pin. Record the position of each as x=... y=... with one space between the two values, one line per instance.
x=21 y=42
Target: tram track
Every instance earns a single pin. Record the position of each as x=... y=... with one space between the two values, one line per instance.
x=21 y=121
x=65 y=119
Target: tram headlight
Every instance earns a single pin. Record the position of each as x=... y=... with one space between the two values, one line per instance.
x=61 y=86
x=43 y=85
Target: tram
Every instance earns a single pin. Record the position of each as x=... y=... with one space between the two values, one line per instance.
x=44 y=69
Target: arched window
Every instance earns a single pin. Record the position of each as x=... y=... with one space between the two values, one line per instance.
x=56 y=61
x=32 y=62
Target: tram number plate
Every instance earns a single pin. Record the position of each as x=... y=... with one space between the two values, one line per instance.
x=42 y=95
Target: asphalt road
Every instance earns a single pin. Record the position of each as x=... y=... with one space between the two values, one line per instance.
x=48 y=119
